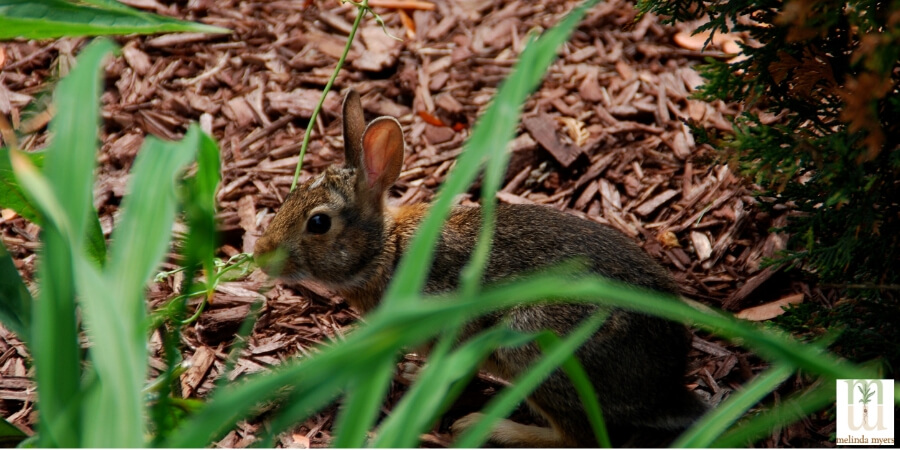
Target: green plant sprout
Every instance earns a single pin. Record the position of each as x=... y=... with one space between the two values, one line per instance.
x=363 y=9
x=242 y=262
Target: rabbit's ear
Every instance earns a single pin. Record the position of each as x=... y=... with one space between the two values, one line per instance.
x=354 y=124
x=383 y=146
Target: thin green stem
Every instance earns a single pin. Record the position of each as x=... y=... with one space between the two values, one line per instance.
x=363 y=8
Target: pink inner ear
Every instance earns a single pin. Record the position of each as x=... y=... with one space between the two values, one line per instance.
x=376 y=160
x=380 y=143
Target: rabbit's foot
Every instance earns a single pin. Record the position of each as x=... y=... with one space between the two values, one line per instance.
x=409 y=372
x=507 y=433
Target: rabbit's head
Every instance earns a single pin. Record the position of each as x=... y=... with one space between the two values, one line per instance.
x=332 y=227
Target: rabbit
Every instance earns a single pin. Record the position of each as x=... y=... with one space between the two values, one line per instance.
x=336 y=228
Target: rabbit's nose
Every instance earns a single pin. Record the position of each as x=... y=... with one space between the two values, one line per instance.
x=263 y=245
x=270 y=256
x=264 y=253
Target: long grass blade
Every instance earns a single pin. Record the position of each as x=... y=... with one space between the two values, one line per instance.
x=770 y=343
x=504 y=403
x=791 y=410
x=583 y=385
x=113 y=304
x=388 y=331
x=145 y=227
x=706 y=430
x=492 y=134
x=362 y=404
x=71 y=156
x=434 y=388
x=64 y=197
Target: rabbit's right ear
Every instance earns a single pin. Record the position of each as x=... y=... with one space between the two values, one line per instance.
x=354 y=125
x=382 y=159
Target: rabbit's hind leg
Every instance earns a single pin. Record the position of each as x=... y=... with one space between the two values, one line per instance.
x=507 y=433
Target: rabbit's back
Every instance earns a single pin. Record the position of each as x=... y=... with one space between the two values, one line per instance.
x=530 y=237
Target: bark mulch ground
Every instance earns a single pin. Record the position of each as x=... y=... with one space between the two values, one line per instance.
x=604 y=138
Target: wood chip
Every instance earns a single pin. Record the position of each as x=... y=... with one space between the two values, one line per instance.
x=542 y=128
x=651 y=205
x=769 y=310
x=200 y=364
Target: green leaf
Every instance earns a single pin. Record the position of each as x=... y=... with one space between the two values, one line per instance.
x=119 y=355
x=44 y=19
x=112 y=302
x=63 y=195
x=770 y=343
x=15 y=300
x=11 y=195
x=145 y=226
x=10 y=436
x=95 y=243
x=71 y=156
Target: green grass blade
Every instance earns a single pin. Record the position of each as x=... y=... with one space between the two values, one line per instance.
x=10 y=436
x=414 y=412
x=200 y=208
x=44 y=19
x=492 y=133
x=119 y=357
x=318 y=379
x=11 y=195
x=95 y=243
x=583 y=385
x=362 y=404
x=145 y=227
x=504 y=403
x=71 y=156
x=323 y=375
x=791 y=410
x=15 y=300
x=769 y=343
x=65 y=203
x=113 y=302
x=706 y=430
x=55 y=349
x=434 y=388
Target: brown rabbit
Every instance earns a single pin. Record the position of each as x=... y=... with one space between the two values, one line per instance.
x=337 y=229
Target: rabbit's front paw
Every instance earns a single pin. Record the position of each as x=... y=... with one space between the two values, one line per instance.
x=465 y=423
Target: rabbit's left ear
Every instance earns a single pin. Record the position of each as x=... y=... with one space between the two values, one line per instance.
x=354 y=125
x=382 y=158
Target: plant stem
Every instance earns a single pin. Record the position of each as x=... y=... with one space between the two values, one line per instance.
x=363 y=8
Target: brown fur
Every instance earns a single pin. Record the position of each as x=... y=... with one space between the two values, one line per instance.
x=635 y=361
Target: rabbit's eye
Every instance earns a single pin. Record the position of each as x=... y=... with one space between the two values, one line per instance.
x=318 y=224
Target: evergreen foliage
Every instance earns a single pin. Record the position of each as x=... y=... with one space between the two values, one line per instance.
x=821 y=127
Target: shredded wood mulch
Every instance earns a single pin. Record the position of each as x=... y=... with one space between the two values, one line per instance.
x=604 y=138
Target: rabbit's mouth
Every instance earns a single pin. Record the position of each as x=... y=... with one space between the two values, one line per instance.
x=279 y=264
